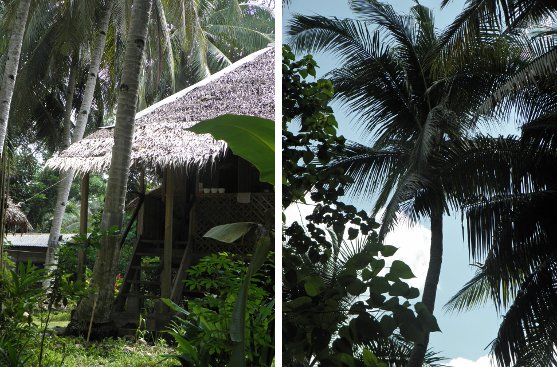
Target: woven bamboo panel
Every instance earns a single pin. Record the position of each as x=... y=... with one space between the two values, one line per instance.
x=216 y=209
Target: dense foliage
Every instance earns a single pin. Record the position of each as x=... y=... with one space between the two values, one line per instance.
x=202 y=332
x=25 y=311
x=34 y=189
x=336 y=310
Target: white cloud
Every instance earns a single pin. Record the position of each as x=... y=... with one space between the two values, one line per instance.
x=485 y=361
x=297 y=212
x=413 y=241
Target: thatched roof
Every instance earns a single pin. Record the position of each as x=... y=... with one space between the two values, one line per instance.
x=246 y=87
x=16 y=221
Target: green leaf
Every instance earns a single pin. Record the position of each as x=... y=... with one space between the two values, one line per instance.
x=370 y=360
x=412 y=293
x=237 y=323
x=356 y=287
x=412 y=332
x=379 y=285
x=250 y=137
x=308 y=156
x=174 y=307
x=401 y=270
x=229 y=233
x=359 y=261
x=426 y=319
x=367 y=275
x=388 y=250
x=388 y=324
x=298 y=302
x=313 y=285
x=352 y=233
x=399 y=289
x=364 y=328
x=377 y=265
x=184 y=346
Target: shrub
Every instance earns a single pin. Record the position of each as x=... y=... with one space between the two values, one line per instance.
x=202 y=329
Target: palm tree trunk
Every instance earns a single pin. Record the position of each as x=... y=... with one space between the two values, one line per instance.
x=109 y=251
x=67 y=132
x=89 y=92
x=12 y=63
x=431 y=281
x=81 y=122
x=51 y=260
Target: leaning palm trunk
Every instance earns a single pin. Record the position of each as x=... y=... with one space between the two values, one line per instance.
x=12 y=63
x=65 y=183
x=431 y=281
x=81 y=122
x=97 y=306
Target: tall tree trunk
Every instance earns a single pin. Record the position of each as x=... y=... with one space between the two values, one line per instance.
x=64 y=186
x=98 y=305
x=81 y=122
x=7 y=83
x=431 y=281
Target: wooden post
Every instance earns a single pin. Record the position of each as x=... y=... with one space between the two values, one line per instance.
x=142 y=186
x=168 y=234
x=83 y=216
x=185 y=263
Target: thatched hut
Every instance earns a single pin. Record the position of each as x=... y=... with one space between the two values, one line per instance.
x=15 y=220
x=161 y=141
x=172 y=219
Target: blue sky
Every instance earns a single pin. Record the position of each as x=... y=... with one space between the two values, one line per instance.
x=464 y=336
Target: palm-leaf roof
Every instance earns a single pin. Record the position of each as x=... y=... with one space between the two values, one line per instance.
x=161 y=139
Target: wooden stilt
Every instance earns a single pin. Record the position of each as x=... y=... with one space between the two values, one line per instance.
x=168 y=235
x=83 y=216
x=185 y=263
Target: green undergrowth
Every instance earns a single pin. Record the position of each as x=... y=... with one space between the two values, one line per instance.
x=57 y=319
x=74 y=352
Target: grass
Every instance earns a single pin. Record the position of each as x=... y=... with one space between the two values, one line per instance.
x=57 y=319
x=75 y=352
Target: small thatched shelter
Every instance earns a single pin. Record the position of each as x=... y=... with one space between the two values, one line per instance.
x=172 y=220
x=15 y=220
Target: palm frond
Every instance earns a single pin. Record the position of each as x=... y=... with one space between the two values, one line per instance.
x=410 y=183
x=406 y=33
x=474 y=293
x=527 y=332
x=348 y=39
x=370 y=168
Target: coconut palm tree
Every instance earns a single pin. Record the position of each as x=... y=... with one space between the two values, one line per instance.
x=79 y=130
x=511 y=226
x=512 y=240
x=9 y=76
x=101 y=301
x=485 y=17
x=198 y=38
x=413 y=101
